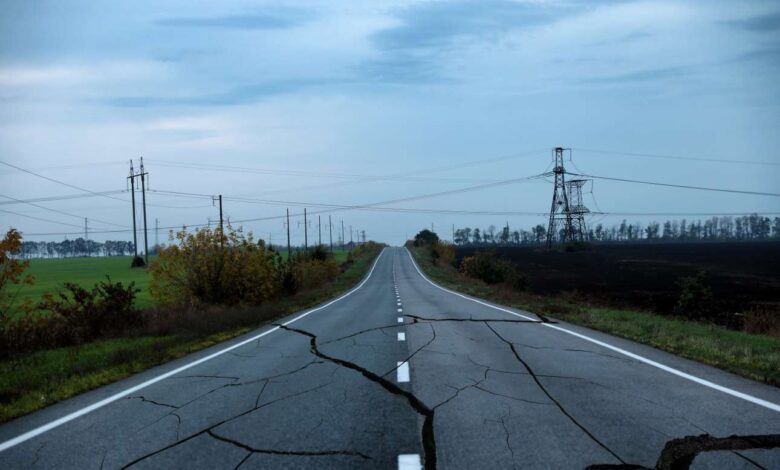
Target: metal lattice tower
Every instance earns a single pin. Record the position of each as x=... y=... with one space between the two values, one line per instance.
x=567 y=213
x=560 y=215
x=577 y=209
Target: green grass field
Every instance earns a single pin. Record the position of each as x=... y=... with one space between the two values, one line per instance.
x=51 y=274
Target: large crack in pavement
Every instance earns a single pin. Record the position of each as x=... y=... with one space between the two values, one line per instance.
x=302 y=453
x=553 y=399
x=679 y=454
x=428 y=437
x=176 y=408
x=206 y=431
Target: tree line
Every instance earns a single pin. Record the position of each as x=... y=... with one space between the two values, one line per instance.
x=76 y=247
x=727 y=228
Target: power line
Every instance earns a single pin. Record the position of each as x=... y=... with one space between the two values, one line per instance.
x=232 y=169
x=683 y=186
x=374 y=178
x=60 y=211
x=62 y=182
x=59 y=198
x=74 y=165
x=678 y=157
x=40 y=218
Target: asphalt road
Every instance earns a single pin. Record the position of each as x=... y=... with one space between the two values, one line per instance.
x=396 y=372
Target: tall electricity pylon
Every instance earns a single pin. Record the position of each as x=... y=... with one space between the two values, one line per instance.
x=560 y=212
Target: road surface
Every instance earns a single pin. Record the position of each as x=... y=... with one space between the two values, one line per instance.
x=399 y=372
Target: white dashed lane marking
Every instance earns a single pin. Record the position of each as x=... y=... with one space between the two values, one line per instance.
x=409 y=462
x=402 y=372
x=401 y=336
x=400 y=319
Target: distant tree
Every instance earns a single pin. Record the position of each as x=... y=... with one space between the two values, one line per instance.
x=504 y=236
x=425 y=237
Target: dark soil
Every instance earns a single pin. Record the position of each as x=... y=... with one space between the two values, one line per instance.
x=742 y=276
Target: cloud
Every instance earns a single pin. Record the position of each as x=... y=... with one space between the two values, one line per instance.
x=82 y=73
x=279 y=19
x=768 y=56
x=236 y=96
x=412 y=50
x=760 y=23
x=648 y=75
x=435 y=24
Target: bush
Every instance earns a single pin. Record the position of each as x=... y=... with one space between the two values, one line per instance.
x=426 y=237
x=11 y=269
x=73 y=317
x=443 y=251
x=487 y=267
x=215 y=268
x=314 y=273
x=105 y=309
x=762 y=320
x=695 y=298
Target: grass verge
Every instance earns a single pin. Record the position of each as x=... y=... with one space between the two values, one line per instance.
x=46 y=377
x=753 y=356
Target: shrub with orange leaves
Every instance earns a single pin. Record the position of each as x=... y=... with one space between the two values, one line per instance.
x=213 y=267
x=11 y=268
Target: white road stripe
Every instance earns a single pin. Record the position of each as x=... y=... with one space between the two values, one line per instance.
x=409 y=462
x=76 y=414
x=402 y=373
x=400 y=310
x=401 y=336
x=650 y=362
x=400 y=319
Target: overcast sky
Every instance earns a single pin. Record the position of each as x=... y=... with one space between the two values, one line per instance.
x=321 y=98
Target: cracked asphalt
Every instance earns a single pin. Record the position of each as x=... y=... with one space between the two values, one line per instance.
x=484 y=389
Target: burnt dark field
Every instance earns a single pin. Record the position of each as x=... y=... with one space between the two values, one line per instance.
x=741 y=276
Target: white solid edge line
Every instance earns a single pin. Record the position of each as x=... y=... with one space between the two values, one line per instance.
x=650 y=362
x=402 y=372
x=401 y=336
x=409 y=462
x=76 y=414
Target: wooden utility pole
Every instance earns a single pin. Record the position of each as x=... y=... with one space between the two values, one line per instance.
x=143 y=175
x=289 y=249
x=132 y=202
x=330 y=231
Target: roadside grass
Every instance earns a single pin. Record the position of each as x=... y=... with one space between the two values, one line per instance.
x=40 y=379
x=51 y=274
x=753 y=356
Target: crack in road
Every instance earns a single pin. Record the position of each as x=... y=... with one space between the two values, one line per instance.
x=302 y=453
x=215 y=425
x=549 y=395
x=265 y=381
x=506 y=432
x=147 y=400
x=428 y=437
x=678 y=454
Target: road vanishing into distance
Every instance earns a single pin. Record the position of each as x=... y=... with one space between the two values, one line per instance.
x=399 y=373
